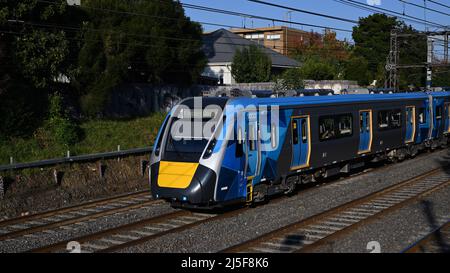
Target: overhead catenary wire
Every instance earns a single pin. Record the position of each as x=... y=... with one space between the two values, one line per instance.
x=424 y=7
x=305 y=11
x=440 y=4
x=375 y=9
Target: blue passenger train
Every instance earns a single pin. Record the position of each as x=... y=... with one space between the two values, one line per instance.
x=256 y=147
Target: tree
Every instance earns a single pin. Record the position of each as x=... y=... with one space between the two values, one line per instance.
x=251 y=64
x=291 y=79
x=314 y=70
x=372 y=36
x=325 y=49
x=357 y=69
x=136 y=41
x=372 y=42
x=33 y=55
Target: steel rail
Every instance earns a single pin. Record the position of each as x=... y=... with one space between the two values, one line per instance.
x=303 y=242
x=72 y=219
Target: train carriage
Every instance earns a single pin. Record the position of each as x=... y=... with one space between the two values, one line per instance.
x=259 y=147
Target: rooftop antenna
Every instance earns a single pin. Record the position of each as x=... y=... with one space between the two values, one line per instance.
x=289 y=18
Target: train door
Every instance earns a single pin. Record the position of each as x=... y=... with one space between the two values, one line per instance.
x=252 y=151
x=447 y=117
x=410 y=124
x=365 y=131
x=439 y=119
x=301 y=142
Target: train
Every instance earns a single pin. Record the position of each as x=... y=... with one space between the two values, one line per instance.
x=254 y=148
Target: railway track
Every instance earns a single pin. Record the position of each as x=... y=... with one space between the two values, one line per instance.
x=136 y=233
x=438 y=241
x=319 y=230
x=123 y=236
x=28 y=225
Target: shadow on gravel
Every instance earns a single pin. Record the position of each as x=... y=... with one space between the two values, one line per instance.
x=292 y=240
x=439 y=239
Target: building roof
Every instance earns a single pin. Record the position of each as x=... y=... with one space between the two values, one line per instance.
x=266 y=29
x=221 y=45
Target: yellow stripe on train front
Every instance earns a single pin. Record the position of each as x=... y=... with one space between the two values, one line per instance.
x=176 y=175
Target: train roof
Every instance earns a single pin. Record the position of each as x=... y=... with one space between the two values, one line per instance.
x=310 y=100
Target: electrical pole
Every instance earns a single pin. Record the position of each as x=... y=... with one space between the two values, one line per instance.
x=393 y=60
x=446 y=48
x=429 y=60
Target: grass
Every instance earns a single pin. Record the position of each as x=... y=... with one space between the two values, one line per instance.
x=99 y=136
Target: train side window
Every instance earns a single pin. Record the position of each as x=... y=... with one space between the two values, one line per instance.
x=345 y=125
x=422 y=115
x=326 y=128
x=396 y=119
x=438 y=112
x=295 y=132
x=304 y=137
x=383 y=119
x=239 y=143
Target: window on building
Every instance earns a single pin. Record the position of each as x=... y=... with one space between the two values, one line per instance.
x=273 y=37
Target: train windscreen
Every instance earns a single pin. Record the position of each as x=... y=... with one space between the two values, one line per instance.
x=187 y=139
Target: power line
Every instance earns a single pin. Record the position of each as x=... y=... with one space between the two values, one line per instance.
x=424 y=7
x=305 y=11
x=440 y=4
x=240 y=14
x=388 y=12
x=79 y=30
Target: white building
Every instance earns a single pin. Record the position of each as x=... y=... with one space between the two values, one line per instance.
x=220 y=47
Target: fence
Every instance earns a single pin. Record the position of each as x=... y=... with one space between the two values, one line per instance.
x=73 y=159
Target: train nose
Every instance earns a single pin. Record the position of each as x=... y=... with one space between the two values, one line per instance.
x=183 y=182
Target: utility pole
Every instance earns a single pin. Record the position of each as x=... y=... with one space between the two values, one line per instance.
x=392 y=63
x=446 y=47
x=429 y=61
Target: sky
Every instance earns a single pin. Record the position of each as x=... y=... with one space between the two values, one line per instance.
x=329 y=7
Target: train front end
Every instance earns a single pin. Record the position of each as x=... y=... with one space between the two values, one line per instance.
x=186 y=156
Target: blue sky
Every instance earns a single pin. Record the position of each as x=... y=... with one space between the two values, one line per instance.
x=329 y=7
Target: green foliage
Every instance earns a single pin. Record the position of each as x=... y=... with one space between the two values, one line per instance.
x=322 y=52
x=313 y=70
x=41 y=56
x=357 y=69
x=372 y=42
x=33 y=56
x=441 y=77
x=63 y=130
x=372 y=36
x=251 y=64
x=292 y=79
x=100 y=136
x=22 y=110
x=119 y=48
